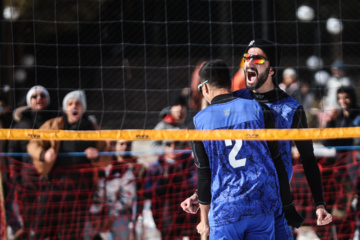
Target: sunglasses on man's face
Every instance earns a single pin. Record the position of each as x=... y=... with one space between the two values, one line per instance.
x=41 y=95
x=256 y=58
x=200 y=86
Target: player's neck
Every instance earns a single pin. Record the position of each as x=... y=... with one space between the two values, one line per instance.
x=219 y=91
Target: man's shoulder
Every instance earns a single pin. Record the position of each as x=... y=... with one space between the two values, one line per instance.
x=286 y=99
x=54 y=123
x=243 y=93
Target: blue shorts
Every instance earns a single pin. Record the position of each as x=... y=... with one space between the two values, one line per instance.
x=261 y=228
x=282 y=229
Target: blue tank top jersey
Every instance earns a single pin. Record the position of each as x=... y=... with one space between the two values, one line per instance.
x=243 y=177
x=284 y=111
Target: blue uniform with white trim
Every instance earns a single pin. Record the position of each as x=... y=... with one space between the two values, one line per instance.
x=286 y=116
x=244 y=183
x=284 y=111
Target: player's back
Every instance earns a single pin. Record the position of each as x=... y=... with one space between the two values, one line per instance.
x=244 y=182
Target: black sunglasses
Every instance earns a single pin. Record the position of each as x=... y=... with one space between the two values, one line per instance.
x=42 y=95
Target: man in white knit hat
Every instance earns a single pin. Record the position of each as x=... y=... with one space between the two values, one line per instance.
x=74 y=105
x=37 y=98
x=68 y=174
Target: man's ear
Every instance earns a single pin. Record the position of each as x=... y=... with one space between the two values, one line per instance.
x=206 y=88
x=271 y=71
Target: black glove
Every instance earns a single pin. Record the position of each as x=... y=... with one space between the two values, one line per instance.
x=292 y=216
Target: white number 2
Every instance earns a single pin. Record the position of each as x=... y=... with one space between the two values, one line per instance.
x=235 y=163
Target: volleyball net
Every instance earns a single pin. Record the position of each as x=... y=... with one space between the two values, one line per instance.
x=138 y=193
x=131 y=58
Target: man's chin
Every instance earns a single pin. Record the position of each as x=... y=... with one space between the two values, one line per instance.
x=250 y=86
x=74 y=119
x=40 y=107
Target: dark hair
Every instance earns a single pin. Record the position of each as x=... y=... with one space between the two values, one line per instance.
x=178 y=99
x=217 y=73
x=352 y=94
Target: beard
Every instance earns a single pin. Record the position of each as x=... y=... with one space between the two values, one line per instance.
x=260 y=81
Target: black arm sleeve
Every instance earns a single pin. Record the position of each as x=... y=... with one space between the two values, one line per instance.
x=203 y=172
x=285 y=192
x=308 y=159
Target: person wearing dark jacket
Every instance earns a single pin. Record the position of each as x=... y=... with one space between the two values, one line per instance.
x=23 y=174
x=172 y=117
x=345 y=117
x=68 y=180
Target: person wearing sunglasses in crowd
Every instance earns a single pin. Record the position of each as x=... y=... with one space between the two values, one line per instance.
x=239 y=182
x=31 y=116
x=262 y=59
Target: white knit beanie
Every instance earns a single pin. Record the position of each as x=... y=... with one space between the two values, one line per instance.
x=289 y=72
x=34 y=89
x=77 y=94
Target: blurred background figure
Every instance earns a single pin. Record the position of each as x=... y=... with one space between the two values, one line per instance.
x=289 y=83
x=341 y=175
x=68 y=181
x=166 y=180
x=118 y=201
x=25 y=178
x=337 y=79
x=172 y=117
x=238 y=81
x=344 y=116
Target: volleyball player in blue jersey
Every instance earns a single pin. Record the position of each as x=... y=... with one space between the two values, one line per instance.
x=238 y=186
x=261 y=60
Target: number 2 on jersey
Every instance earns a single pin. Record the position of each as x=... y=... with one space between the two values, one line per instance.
x=235 y=163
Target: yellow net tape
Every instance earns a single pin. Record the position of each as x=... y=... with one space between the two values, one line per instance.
x=257 y=134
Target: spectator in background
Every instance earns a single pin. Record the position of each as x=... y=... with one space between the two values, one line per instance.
x=31 y=116
x=25 y=177
x=338 y=79
x=343 y=117
x=289 y=83
x=163 y=184
x=339 y=173
x=118 y=202
x=68 y=180
x=172 y=117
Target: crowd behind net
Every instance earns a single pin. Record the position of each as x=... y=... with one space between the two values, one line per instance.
x=136 y=59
